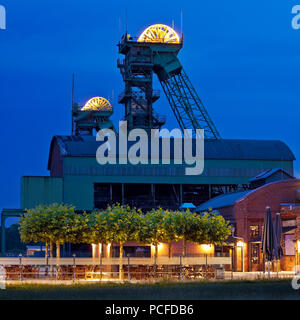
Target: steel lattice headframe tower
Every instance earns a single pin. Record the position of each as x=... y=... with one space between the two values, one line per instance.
x=155 y=51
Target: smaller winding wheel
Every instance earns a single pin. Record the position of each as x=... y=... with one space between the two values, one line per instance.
x=97 y=104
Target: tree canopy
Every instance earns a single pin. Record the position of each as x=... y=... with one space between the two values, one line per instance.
x=59 y=223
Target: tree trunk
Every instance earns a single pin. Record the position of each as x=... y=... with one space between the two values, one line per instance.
x=100 y=257
x=46 y=252
x=155 y=259
x=51 y=256
x=57 y=249
x=51 y=249
x=184 y=247
x=46 y=258
x=121 y=275
x=111 y=267
x=169 y=267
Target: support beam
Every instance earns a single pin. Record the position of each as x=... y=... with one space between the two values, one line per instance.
x=122 y=193
x=153 y=193
x=181 y=194
x=7 y=213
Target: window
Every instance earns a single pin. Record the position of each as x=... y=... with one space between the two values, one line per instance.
x=254 y=253
x=254 y=232
x=289 y=245
x=133 y=251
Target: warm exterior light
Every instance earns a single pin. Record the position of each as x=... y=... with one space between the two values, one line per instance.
x=97 y=104
x=298 y=245
x=159 y=33
x=206 y=247
x=240 y=244
x=159 y=247
x=93 y=250
x=108 y=249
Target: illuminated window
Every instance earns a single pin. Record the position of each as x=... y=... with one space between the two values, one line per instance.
x=254 y=232
x=255 y=253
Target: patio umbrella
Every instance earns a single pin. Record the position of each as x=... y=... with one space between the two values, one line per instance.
x=269 y=243
x=187 y=205
x=278 y=232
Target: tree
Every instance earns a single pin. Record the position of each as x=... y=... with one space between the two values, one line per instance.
x=169 y=232
x=122 y=222
x=98 y=228
x=150 y=228
x=186 y=227
x=77 y=227
x=211 y=228
x=34 y=227
x=218 y=228
x=62 y=223
x=53 y=223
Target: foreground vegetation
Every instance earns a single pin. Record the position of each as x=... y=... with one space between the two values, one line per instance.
x=57 y=224
x=260 y=289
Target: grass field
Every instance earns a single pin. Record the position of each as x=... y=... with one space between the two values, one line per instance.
x=261 y=289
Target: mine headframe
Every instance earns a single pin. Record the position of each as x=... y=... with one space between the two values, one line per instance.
x=155 y=51
x=94 y=115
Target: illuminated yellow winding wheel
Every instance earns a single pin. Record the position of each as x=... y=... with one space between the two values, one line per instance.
x=159 y=33
x=97 y=104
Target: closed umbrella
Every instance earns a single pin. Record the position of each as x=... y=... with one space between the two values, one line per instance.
x=278 y=231
x=269 y=243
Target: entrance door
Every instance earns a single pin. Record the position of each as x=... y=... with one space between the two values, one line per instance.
x=254 y=257
x=239 y=259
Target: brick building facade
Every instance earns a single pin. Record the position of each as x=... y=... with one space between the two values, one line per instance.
x=246 y=211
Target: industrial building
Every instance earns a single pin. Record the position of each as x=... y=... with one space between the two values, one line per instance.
x=246 y=211
x=76 y=178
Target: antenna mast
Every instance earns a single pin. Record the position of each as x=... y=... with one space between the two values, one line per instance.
x=181 y=21
x=73 y=85
x=126 y=20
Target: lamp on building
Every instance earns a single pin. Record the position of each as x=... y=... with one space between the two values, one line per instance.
x=159 y=247
x=93 y=250
x=207 y=248
x=298 y=246
x=239 y=244
x=108 y=250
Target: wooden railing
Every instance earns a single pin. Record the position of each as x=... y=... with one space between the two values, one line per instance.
x=117 y=261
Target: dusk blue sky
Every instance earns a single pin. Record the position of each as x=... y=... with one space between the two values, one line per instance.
x=243 y=58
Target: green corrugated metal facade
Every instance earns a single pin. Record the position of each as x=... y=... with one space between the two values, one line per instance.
x=40 y=190
x=75 y=185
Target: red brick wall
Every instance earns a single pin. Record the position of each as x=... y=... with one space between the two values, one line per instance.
x=251 y=211
x=56 y=168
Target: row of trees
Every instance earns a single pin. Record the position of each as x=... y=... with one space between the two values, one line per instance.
x=119 y=224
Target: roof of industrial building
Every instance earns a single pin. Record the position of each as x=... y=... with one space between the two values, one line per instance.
x=224 y=200
x=226 y=149
x=268 y=173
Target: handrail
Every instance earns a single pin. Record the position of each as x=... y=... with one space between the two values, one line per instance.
x=200 y=260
